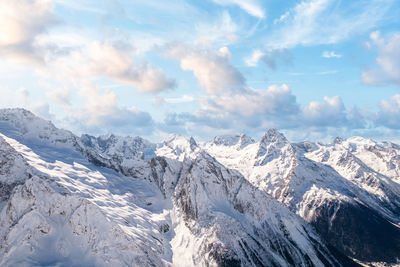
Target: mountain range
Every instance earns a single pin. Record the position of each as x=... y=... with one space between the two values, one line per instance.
x=110 y=200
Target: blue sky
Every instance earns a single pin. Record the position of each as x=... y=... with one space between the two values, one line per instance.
x=314 y=69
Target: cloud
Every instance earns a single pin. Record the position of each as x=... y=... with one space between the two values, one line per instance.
x=247 y=111
x=388 y=60
x=328 y=72
x=61 y=96
x=213 y=69
x=254 y=111
x=221 y=32
x=274 y=100
x=178 y=100
x=329 y=112
x=282 y=18
x=389 y=113
x=21 y=98
x=21 y=22
x=272 y=58
x=330 y=54
x=314 y=22
x=254 y=58
x=252 y=7
x=101 y=111
x=105 y=59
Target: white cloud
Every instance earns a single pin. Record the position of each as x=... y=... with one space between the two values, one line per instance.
x=271 y=58
x=21 y=22
x=252 y=7
x=388 y=60
x=389 y=112
x=282 y=18
x=102 y=111
x=104 y=59
x=254 y=58
x=212 y=69
x=328 y=72
x=247 y=111
x=314 y=22
x=330 y=54
x=329 y=112
x=178 y=100
x=274 y=100
x=372 y=77
x=254 y=111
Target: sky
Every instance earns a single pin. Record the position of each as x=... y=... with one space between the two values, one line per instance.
x=313 y=69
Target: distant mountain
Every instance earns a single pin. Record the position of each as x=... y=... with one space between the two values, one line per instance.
x=124 y=201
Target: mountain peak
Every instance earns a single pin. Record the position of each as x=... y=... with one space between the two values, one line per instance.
x=21 y=123
x=177 y=146
x=337 y=140
x=19 y=117
x=274 y=136
x=192 y=142
x=240 y=140
x=120 y=146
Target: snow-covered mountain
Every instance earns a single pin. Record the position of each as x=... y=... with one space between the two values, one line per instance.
x=350 y=194
x=123 y=201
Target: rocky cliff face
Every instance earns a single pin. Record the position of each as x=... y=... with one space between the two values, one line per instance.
x=123 y=201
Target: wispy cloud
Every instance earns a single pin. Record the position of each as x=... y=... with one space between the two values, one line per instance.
x=178 y=100
x=330 y=54
x=272 y=58
x=282 y=18
x=314 y=22
x=254 y=58
x=253 y=7
x=328 y=72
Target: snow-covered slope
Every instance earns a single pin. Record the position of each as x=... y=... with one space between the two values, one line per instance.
x=59 y=210
x=353 y=206
x=123 y=201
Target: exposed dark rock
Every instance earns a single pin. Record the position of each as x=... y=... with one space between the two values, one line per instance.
x=358 y=232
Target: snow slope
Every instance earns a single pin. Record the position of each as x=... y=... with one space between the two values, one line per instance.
x=65 y=211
